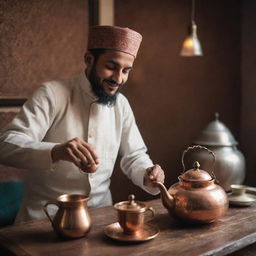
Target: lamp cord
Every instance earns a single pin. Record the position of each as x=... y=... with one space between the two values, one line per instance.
x=193 y=12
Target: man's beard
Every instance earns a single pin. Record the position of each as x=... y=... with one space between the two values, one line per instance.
x=99 y=92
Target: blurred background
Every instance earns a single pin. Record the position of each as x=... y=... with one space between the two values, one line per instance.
x=173 y=97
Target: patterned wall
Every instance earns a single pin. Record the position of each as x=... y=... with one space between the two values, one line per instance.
x=40 y=40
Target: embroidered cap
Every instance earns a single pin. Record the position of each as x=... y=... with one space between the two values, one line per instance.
x=114 y=38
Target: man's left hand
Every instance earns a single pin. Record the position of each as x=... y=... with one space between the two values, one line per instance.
x=152 y=175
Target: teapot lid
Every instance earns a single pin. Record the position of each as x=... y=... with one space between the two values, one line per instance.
x=216 y=134
x=196 y=174
x=130 y=205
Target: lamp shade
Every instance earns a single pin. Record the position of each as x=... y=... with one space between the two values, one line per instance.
x=191 y=45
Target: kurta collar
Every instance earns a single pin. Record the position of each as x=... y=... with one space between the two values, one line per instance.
x=86 y=87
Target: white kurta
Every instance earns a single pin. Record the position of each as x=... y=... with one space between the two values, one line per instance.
x=57 y=112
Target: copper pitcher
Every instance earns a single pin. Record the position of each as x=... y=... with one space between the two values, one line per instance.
x=196 y=197
x=72 y=219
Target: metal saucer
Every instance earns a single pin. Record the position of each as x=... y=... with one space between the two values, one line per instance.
x=115 y=232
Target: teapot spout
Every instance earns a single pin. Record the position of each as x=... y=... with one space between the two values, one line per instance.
x=167 y=199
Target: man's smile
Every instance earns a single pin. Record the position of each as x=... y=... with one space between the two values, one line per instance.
x=111 y=85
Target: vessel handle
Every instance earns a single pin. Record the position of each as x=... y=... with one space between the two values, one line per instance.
x=151 y=209
x=46 y=211
x=199 y=147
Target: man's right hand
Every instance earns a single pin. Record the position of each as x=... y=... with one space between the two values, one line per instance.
x=77 y=151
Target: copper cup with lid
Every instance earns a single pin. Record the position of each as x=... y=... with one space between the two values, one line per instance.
x=131 y=215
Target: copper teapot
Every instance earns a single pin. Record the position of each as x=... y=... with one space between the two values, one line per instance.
x=72 y=219
x=196 y=197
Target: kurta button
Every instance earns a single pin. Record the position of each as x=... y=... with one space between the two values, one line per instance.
x=90 y=136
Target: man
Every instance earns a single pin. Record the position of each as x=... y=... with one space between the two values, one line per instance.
x=69 y=133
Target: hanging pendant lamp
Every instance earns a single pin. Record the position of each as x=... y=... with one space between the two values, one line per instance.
x=191 y=45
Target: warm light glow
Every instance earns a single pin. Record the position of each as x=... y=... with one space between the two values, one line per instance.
x=188 y=43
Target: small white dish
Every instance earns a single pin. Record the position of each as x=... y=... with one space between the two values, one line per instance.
x=240 y=197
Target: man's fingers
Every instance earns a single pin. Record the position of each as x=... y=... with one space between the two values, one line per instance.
x=77 y=151
x=84 y=151
x=156 y=173
x=87 y=154
x=73 y=158
x=74 y=148
x=92 y=151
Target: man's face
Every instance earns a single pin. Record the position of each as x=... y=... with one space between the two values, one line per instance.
x=109 y=73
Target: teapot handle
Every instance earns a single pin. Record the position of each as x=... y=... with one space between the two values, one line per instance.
x=199 y=147
x=46 y=211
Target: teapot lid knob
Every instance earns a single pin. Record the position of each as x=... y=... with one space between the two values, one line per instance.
x=196 y=165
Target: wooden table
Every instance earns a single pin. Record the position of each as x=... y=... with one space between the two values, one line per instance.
x=234 y=231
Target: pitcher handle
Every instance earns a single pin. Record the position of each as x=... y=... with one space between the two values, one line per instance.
x=46 y=211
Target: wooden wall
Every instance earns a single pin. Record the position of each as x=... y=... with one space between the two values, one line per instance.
x=248 y=90
x=174 y=97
